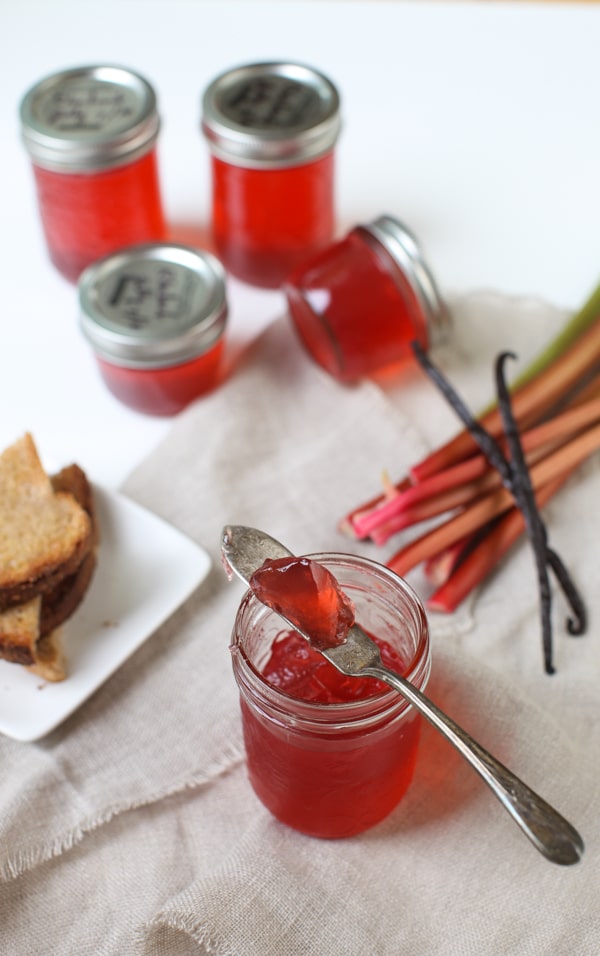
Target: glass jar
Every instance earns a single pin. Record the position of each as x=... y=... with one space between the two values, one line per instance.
x=333 y=770
x=271 y=129
x=155 y=315
x=358 y=304
x=91 y=135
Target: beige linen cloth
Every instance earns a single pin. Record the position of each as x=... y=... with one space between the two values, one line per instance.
x=132 y=829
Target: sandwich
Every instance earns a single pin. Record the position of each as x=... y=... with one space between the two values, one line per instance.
x=48 y=549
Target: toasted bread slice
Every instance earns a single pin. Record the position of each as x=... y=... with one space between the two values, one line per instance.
x=28 y=631
x=43 y=535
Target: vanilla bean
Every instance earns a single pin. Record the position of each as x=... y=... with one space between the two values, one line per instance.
x=525 y=501
x=578 y=624
x=488 y=444
x=515 y=476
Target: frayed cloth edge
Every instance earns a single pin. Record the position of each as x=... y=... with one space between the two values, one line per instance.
x=22 y=861
x=148 y=937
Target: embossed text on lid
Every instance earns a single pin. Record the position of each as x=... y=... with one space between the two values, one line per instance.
x=153 y=305
x=271 y=114
x=88 y=118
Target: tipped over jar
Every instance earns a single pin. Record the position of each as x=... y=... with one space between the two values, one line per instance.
x=358 y=304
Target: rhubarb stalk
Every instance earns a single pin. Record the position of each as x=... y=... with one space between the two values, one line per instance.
x=468 y=573
x=551 y=384
x=474 y=515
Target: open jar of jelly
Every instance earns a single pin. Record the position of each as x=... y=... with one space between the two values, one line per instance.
x=359 y=303
x=271 y=129
x=155 y=316
x=327 y=754
x=91 y=135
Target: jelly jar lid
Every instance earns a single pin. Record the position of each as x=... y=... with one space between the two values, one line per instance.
x=269 y=115
x=403 y=247
x=89 y=118
x=153 y=305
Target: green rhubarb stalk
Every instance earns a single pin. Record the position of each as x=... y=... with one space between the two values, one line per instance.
x=576 y=326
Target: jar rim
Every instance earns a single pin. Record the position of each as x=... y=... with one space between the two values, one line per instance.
x=402 y=245
x=307 y=133
x=330 y=717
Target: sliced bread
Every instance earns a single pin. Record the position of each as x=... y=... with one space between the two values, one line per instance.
x=43 y=535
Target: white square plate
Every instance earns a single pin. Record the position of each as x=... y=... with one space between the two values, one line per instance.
x=146 y=569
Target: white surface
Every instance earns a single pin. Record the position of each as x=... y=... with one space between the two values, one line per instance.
x=146 y=569
x=475 y=123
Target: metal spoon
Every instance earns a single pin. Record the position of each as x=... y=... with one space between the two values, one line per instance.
x=244 y=550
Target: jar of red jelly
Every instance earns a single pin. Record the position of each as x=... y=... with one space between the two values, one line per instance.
x=91 y=134
x=155 y=315
x=271 y=130
x=358 y=304
x=332 y=769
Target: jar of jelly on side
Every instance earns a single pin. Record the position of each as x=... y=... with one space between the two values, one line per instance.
x=155 y=316
x=331 y=755
x=271 y=129
x=358 y=304
x=91 y=135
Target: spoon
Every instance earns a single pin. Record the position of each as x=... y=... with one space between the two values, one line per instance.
x=244 y=550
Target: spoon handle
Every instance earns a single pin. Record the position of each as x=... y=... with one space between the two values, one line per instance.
x=549 y=832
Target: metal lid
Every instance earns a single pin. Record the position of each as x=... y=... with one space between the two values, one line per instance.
x=88 y=118
x=402 y=246
x=153 y=305
x=268 y=115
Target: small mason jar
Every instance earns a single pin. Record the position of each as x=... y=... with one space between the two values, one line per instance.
x=358 y=304
x=333 y=770
x=155 y=316
x=271 y=129
x=91 y=135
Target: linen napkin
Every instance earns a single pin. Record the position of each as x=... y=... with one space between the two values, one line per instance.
x=133 y=828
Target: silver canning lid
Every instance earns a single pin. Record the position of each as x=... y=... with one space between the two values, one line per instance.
x=269 y=115
x=89 y=118
x=153 y=305
x=402 y=246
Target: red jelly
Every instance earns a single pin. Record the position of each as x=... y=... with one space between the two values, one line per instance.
x=271 y=129
x=358 y=304
x=308 y=595
x=295 y=667
x=331 y=755
x=155 y=316
x=91 y=135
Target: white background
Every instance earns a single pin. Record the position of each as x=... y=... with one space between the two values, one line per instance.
x=476 y=123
